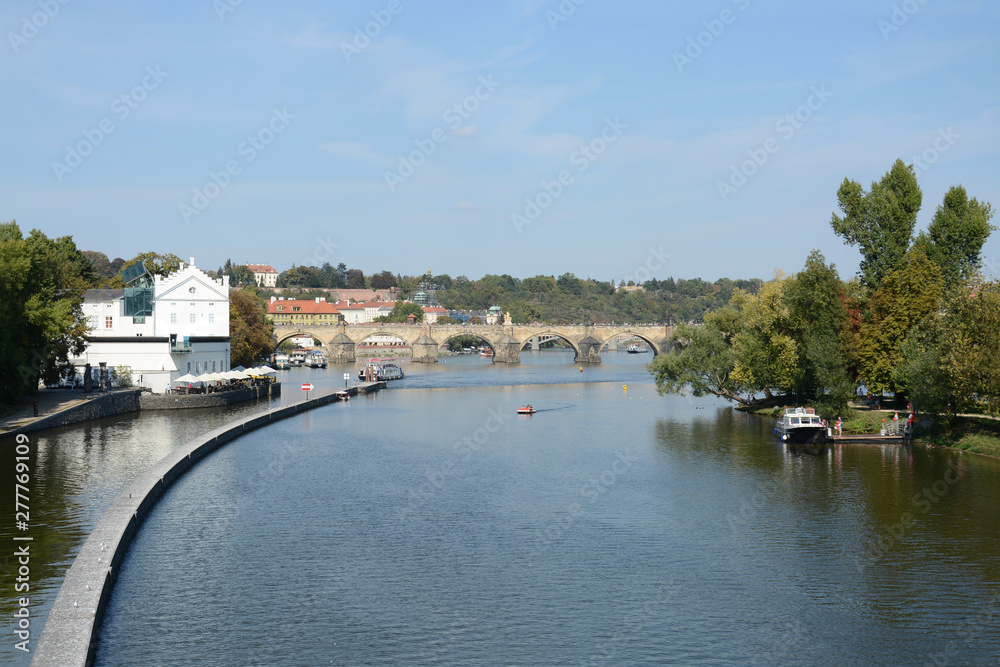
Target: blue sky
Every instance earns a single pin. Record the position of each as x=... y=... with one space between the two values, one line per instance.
x=609 y=139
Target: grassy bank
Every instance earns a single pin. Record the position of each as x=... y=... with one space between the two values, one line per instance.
x=972 y=434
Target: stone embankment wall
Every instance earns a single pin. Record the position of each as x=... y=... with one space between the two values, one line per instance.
x=72 y=630
x=118 y=402
x=180 y=401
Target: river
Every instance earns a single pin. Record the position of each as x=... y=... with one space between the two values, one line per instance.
x=429 y=524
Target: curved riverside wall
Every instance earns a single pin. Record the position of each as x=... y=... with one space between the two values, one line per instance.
x=72 y=630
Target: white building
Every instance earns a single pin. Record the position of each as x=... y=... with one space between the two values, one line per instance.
x=364 y=313
x=161 y=328
x=264 y=274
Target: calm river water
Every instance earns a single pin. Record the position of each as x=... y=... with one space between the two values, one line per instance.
x=429 y=524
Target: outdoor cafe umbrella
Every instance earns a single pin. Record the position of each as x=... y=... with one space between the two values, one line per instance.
x=187 y=379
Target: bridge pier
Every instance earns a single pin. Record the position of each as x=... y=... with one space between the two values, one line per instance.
x=341 y=349
x=590 y=351
x=425 y=350
x=507 y=351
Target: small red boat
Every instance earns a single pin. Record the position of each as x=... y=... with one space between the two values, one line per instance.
x=525 y=410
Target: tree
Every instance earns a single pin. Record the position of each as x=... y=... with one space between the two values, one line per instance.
x=240 y=274
x=908 y=295
x=250 y=331
x=400 y=311
x=765 y=353
x=42 y=281
x=101 y=264
x=383 y=280
x=701 y=358
x=880 y=222
x=355 y=279
x=157 y=264
x=955 y=237
x=822 y=325
x=971 y=359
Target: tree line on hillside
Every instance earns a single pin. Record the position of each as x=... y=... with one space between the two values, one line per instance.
x=918 y=321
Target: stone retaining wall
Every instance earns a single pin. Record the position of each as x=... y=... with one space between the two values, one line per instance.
x=72 y=630
x=117 y=402
x=182 y=401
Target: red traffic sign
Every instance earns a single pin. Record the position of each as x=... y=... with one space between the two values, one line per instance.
x=306 y=386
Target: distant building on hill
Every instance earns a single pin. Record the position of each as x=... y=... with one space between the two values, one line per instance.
x=264 y=274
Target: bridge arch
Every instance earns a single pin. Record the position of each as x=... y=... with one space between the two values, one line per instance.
x=648 y=340
x=553 y=334
x=443 y=340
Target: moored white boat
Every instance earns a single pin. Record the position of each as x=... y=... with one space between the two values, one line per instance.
x=800 y=425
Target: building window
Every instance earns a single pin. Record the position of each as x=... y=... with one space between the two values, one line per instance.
x=213 y=365
x=93 y=321
x=192 y=318
x=173 y=318
x=108 y=322
x=211 y=318
x=189 y=367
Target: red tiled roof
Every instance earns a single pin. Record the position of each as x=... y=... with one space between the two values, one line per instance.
x=261 y=268
x=434 y=309
x=305 y=307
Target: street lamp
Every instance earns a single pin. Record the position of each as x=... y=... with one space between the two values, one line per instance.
x=347 y=376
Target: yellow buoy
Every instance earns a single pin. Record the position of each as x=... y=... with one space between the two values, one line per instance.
x=581 y=369
x=624 y=387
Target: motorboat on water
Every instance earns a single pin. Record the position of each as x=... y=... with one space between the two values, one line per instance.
x=635 y=348
x=377 y=370
x=526 y=410
x=800 y=425
x=316 y=359
x=281 y=362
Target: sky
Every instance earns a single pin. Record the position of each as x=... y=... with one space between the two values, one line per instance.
x=613 y=140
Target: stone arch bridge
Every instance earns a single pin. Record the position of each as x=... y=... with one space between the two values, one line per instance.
x=506 y=340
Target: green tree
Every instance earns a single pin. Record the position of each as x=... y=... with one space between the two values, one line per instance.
x=42 y=282
x=880 y=222
x=250 y=331
x=400 y=311
x=156 y=263
x=971 y=359
x=908 y=295
x=765 y=353
x=955 y=237
x=819 y=316
x=355 y=279
x=701 y=358
x=240 y=274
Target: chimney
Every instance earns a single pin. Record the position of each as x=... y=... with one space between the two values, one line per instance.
x=273 y=299
x=317 y=299
x=191 y=263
